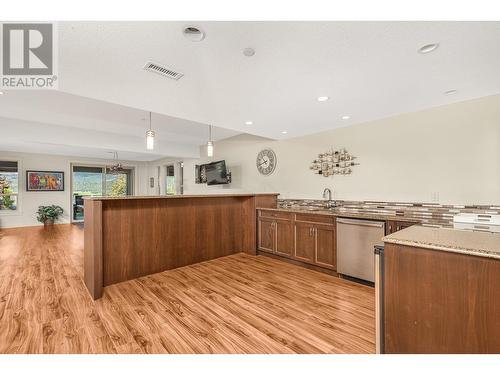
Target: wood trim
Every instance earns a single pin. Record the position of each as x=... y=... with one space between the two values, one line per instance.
x=93 y=256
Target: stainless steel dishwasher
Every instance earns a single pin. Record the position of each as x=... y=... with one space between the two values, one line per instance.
x=355 y=241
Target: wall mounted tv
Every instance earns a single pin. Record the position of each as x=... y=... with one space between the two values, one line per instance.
x=216 y=173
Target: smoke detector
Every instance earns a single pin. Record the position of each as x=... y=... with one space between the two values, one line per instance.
x=193 y=33
x=162 y=70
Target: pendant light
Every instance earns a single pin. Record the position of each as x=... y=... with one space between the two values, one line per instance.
x=150 y=136
x=210 y=144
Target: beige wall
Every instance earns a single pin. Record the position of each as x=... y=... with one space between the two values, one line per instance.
x=449 y=154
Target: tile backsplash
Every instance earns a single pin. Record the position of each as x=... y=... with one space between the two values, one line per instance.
x=426 y=213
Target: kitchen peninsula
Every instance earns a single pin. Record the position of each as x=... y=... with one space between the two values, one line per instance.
x=440 y=291
x=130 y=237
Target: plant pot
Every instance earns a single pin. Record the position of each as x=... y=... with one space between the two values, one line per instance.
x=48 y=222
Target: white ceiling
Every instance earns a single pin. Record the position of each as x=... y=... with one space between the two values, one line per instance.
x=60 y=123
x=370 y=70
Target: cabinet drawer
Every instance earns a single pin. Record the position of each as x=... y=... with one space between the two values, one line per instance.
x=315 y=218
x=276 y=214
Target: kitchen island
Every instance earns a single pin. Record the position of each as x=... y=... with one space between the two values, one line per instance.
x=134 y=236
x=440 y=291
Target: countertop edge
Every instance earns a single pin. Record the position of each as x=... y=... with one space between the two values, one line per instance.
x=352 y=215
x=430 y=246
x=132 y=197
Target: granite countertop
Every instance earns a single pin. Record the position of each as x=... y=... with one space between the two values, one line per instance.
x=129 y=197
x=349 y=213
x=485 y=244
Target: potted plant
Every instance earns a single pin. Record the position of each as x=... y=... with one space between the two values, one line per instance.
x=48 y=214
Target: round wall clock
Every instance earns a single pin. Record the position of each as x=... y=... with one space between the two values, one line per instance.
x=266 y=161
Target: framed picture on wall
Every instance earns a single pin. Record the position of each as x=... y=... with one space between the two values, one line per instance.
x=44 y=181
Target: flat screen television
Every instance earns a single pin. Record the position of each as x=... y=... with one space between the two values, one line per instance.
x=216 y=173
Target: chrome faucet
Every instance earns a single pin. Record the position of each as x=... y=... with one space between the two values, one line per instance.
x=327 y=194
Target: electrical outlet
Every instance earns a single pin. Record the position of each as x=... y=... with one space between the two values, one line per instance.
x=435 y=196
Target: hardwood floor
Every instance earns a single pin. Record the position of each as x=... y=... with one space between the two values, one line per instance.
x=236 y=304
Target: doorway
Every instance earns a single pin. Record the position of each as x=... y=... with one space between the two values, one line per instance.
x=92 y=181
x=174 y=178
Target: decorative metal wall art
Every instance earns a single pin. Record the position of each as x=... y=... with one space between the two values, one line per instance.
x=333 y=162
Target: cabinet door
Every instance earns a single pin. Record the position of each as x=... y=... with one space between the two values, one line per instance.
x=284 y=238
x=326 y=254
x=267 y=235
x=304 y=242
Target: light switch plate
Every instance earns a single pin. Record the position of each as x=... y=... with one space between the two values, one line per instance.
x=151 y=182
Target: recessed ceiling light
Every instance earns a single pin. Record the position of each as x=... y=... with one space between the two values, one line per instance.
x=346 y=117
x=248 y=122
x=323 y=98
x=249 y=52
x=428 y=48
x=193 y=33
x=284 y=132
x=450 y=92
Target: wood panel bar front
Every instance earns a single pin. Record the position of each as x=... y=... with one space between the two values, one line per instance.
x=132 y=237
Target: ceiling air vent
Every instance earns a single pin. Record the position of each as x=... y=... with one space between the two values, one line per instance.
x=162 y=70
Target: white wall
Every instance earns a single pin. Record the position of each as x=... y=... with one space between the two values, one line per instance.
x=452 y=150
x=28 y=202
x=152 y=171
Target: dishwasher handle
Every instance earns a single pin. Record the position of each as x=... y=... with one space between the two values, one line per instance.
x=364 y=223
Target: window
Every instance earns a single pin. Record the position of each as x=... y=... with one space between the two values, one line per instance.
x=9 y=185
x=97 y=181
x=119 y=184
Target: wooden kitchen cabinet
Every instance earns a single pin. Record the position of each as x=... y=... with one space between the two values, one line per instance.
x=275 y=234
x=267 y=235
x=284 y=237
x=315 y=243
x=325 y=246
x=306 y=238
x=305 y=242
